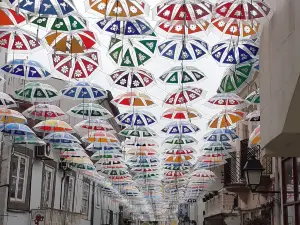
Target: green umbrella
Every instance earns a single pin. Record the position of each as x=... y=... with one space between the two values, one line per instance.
x=131 y=52
x=110 y=155
x=236 y=77
x=254 y=97
x=37 y=92
x=68 y=23
x=29 y=140
x=89 y=110
x=137 y=132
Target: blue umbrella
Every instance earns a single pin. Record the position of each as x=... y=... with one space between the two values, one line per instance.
x=182 y=127
x=26 y=69
x=16 y=129
x=221 y=135
x=103 y=147
x=61 y=137
x=82 y=90
x=136 y=119
x=231 y=52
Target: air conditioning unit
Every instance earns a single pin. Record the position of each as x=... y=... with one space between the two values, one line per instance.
x=44 y=152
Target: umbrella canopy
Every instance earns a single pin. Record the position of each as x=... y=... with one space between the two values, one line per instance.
x=227 y=100
x=182 y=127
x=44 y=112
x=231 y=52
x=140 y=142
x=133 y=99
x=100 y=137
x=52 y=126
x=191 y=49
x=226 y=119
x=180 y=140
x=95 y=125
x=138 y=132
x=26 y=69
x=28 y=140
x=182 y=75
x=18 y=41
x=178 y=158
x=180 y=151
x=131 y=52
x=83 y=90
x=71 y=42
x=131 y=27
x=90 y=110
x=174 y=174
x=16 y=129
x=103 y=147
x=220 y=135
x=98 y=155
x=255 y=137
x=11 y=18
x=176 y=167
x=132 y=78
x=185 y=95
x=236 y=77
x=139 y=119
x=246 y=10
x=217 y=147
x=71 y=146
x=253 y=116
x=78 y=153
x=36 y=92
x=60 y=138
x=254 y=97
x=120 y=9
x=76 y=66
x=11 y=116
x=142 y=151
x=181 y=113
x=146 y=160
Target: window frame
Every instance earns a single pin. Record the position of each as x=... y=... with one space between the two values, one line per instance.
x=85 y=199
x=25 y=179
x=98 y=197
x=48 y=168
x=68 y=195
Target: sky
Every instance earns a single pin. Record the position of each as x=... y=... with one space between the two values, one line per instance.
x=157 y=66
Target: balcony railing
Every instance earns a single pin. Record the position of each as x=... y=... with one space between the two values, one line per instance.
x=233 y=170
x=221 y=203
x=55 y=217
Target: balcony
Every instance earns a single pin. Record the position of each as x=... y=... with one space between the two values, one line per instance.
x=55 y=217
x=234 y=180
x=223 y=203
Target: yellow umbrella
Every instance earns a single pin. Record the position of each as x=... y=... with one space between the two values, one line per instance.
x=11 y=116
x=255 y=137
x=226 y=119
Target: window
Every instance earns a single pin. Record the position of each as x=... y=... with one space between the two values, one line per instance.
x=85 y=198
x=68 y=194
x=47 y=191
x=19 y=171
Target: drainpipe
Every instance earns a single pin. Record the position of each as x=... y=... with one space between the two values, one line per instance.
x=93 y=204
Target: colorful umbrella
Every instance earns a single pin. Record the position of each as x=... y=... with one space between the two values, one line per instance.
x=190 y=49
x=132 y=52
x=185 y=95
x=28 y=140
x=83 y=90
x=52 y=126
x=138 y=132
x=11 y=18
x=140 y=142
x=245 y=10
x=44 y=112
x=100 y=137
x=6 y=101
x=218 y=147
x=254 y=97
x=90 y=110
x=226 y=119
x=110 y=164
x=133 y=99
x=26 y=69
x=95 y=125
x=181 y=113
x=178 y=158
x=227 y=100
x=181 y=27
x=71 y=42
x=236 y=27
x=183 y=10
x=152 y=175
x=181 y=127
x=182 y=75
x=16 y=129
x=136 y=27
x=44 y=7
x=18 y=41
x=142 y=151
x=203 y=175
x=76 y=66
x=111 y=155
x=11 y=116
x=253 y=116
x=236 y=77
x=72 y=146
x=174 y=174
x=180 y=140
x=146 y=160
x=118 y=9
x=180 y=151
x=139 y=119
x=235 y=52
x=36 y=92
x=176 y=167
x=72 y=22
x=255 y=137
x=220 y=135
x=103 y=147
x=60 y=138
x=132 y=78
x=77 y=153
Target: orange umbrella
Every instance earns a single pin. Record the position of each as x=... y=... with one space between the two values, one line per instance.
x=52 y=126
x=137 y=99
x=255 y=137
x=226 y=119
x=100 y=137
